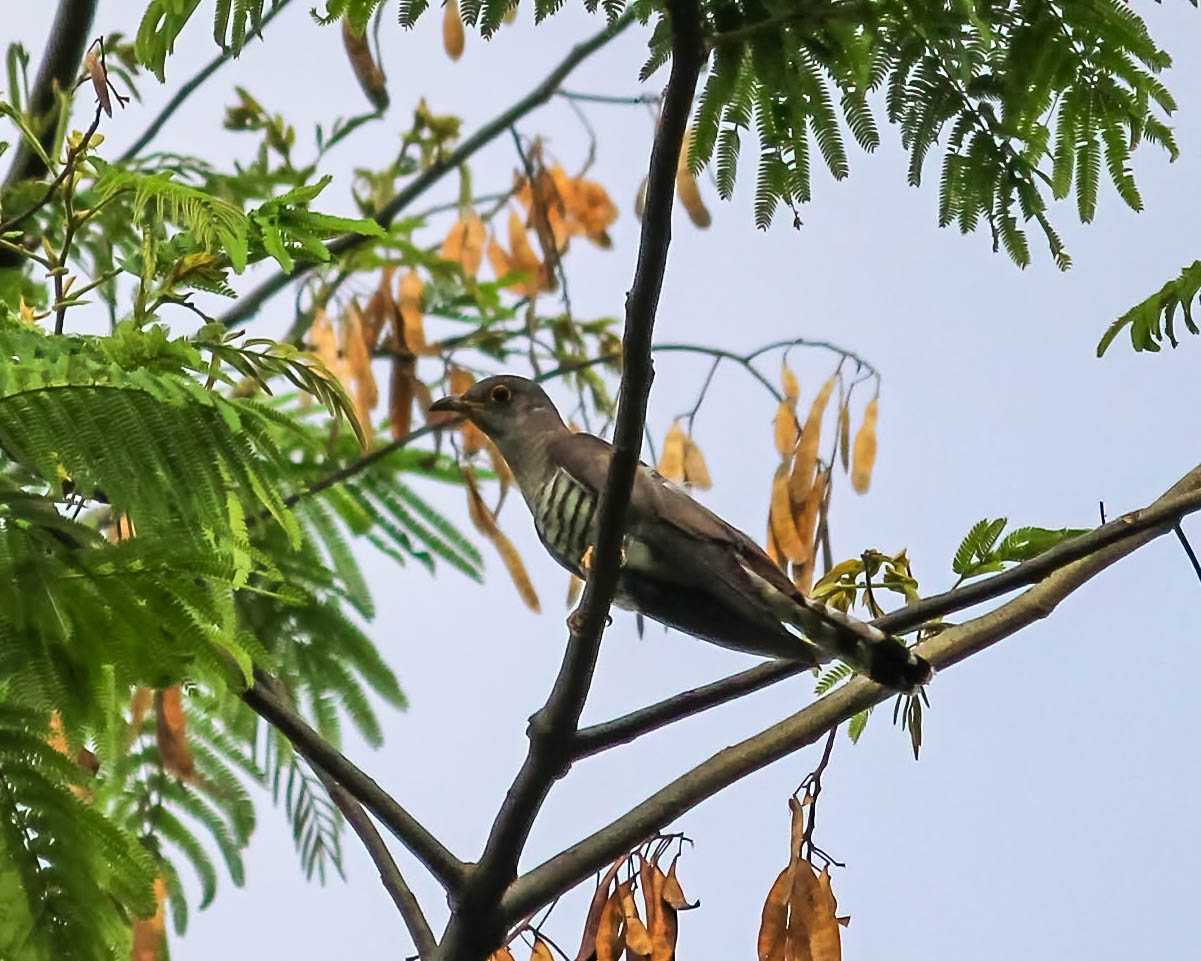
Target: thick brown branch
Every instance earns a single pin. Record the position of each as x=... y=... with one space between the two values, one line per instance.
x=476 y=928
x=389 y=874
x=807 y=726
x=444 y=866
x=621 y=730
x=249 y=304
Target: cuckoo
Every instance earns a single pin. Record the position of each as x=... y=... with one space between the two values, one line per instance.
x=682 y=565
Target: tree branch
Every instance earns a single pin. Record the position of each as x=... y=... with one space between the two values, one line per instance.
x=57 y=71
x=188 y=89
x=575 y=864
x=389 y=873
x=600 y=737
x=1159 y=518
x=249 y=303
x=325 y=759
x=475 y=928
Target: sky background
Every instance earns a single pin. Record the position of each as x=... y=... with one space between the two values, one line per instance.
x=1053 y=811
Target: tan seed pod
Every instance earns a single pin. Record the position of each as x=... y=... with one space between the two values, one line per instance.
x=863 y=454
x=788 y=383
x=452 y=30
x=696 y=471
x=366 y=71
x=806 y=457
x=844 y=435
x=671 y=462
x=784 y=428
x=687 y=189
x=782 y=525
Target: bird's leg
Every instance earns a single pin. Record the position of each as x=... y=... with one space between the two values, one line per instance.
x=573 y=619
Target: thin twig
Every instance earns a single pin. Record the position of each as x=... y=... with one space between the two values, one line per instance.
x=448 y=870
x=807 y=726
x=249 y=303
x=1188 y=549
x=621 y=730
x=389 y=874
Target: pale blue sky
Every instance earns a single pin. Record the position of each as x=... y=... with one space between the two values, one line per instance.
x=1052 y=814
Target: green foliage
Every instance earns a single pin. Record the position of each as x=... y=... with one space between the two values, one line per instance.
x=1155 y=318
x=233 y=21
x=980 y=553
x=70 y=879
x=990 y=81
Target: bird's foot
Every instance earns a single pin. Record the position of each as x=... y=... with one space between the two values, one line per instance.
x=590 y=553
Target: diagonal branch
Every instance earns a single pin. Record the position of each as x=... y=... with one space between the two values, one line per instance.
x=389 y=873
x=573 y=865
x=621 y=730
x=1159 y=517
x=475 y=928
x=249 y=303
x=327 y=760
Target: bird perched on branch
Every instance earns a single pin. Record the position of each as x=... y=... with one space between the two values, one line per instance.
x=682 y=565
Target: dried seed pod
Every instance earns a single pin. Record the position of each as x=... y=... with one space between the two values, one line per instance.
x=452 y=30
x=863 y=453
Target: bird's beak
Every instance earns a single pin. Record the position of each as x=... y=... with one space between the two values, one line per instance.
x=454 y=404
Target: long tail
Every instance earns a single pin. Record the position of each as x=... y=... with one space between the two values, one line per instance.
x=867 y=649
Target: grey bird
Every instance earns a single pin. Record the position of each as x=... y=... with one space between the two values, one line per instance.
x=682 y=565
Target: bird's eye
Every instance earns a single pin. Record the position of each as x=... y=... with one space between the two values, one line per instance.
x=501 y=394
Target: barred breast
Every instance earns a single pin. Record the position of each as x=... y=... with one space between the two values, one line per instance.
x=564 y=516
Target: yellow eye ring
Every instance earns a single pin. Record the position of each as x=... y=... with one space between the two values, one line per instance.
x=501 y=394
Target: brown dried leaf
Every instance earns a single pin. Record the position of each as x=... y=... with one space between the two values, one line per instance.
x=452 y=30
x=785 y=428
x=474 y=439
x=673 y=894
x=412 y=332
x=464 y=244
x=401 y=388
x=485 y=523
x=782 y=525
x=863 y=456
x=541 y=952
x=806 y=525
x=600 y=898
x=99 y=80
x=366 y=71
x=498 y=257
x=671 y=461
x=501 y=954
x=172 y=733
x=139 y=704
x=638 y=939
x=358 y=365
x=149 y=933
x=804 y=909
x=788 y=383
x=796 y=827
x=825 y=940
x=591 y=211
x=806 y=456
x=661 y=922
x=524 y=259
x=324 y=343
x=687 y=189
x=696 y=471
x=610 y=933
x=773 y=928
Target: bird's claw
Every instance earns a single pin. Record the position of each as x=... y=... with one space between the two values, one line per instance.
x=590 y=553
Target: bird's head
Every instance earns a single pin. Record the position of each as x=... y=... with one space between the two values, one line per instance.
x=504 y=407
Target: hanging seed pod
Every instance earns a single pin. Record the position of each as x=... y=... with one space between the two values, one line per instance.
x=863 y=453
